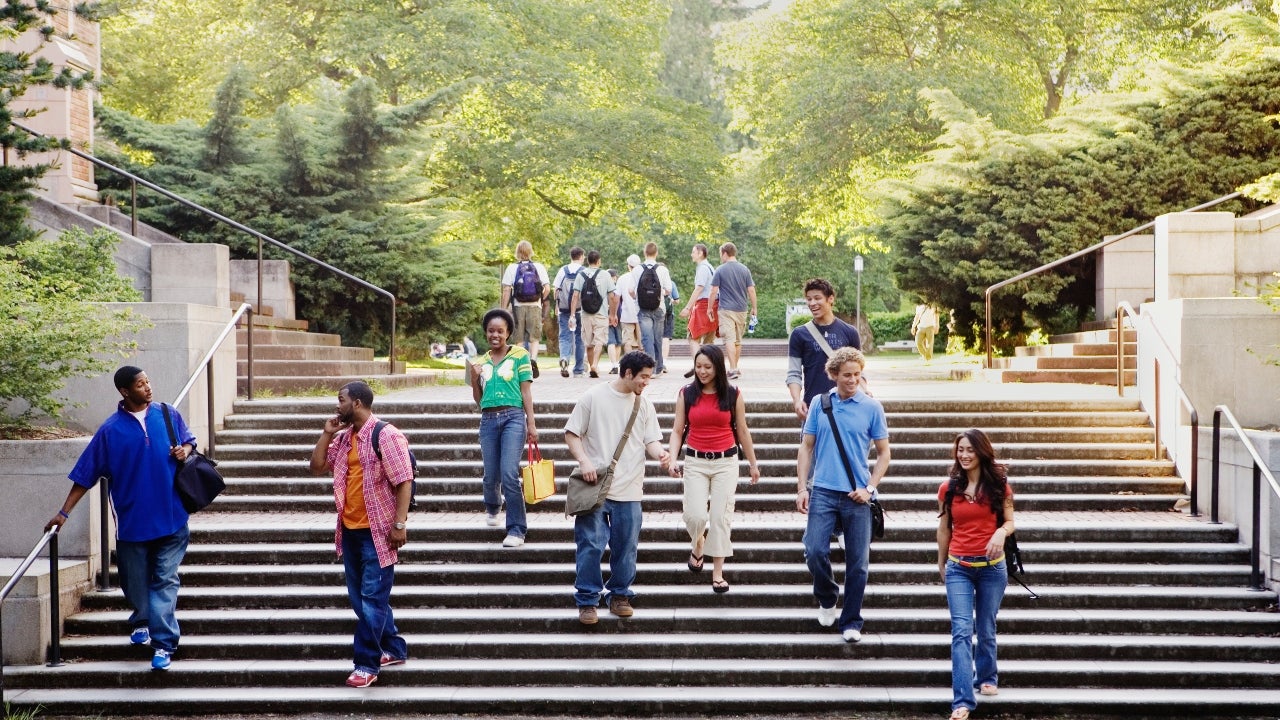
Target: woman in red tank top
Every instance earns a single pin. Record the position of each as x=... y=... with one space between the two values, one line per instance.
x=711 y=426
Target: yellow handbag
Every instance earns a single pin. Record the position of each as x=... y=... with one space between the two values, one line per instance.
x=539 y=477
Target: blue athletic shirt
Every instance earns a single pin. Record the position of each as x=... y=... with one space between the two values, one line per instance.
x=861 y=420
x=141 y=471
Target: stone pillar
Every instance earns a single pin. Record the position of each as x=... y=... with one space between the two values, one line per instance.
x=1195 y=255
x=277 y=286
x=191 y=273
x=1125 y=272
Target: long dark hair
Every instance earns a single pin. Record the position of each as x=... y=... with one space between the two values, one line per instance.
x=724 y=393
x=993 y=477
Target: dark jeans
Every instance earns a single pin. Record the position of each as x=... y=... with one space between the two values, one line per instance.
x=369 y=590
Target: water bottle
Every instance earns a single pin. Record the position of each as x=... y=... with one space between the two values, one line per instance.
x=751 y=326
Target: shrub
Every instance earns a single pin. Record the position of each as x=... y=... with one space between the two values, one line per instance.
x=52 y=325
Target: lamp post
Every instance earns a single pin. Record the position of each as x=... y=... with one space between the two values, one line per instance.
x=857 y=269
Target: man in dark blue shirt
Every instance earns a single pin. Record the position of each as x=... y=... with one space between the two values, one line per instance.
x=132 y=449
x=806 y=356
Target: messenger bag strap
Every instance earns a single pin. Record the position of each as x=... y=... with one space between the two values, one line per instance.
x=822 y=342
x=835 y=430
x=168 y=423
x=617 y=453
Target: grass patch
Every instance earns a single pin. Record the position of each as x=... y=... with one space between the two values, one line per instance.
x=12 y=713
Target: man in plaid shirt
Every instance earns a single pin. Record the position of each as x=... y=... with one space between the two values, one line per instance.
x=372 y=496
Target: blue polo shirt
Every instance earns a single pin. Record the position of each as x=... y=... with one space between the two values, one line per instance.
x=141 y=470
x=861 y=420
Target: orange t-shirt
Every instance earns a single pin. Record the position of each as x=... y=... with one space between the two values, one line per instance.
x=972 y=523
x=354 y=516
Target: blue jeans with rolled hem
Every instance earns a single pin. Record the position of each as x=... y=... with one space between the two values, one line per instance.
x=829 y=509
x=149 y=579
x=369 y=590
x=615 y=525
x=502 y=436
x=571 y=342
x=651 y=327
x=973 y=596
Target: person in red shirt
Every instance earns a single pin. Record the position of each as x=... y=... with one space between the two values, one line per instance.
x=975 y=515
x=711 y=425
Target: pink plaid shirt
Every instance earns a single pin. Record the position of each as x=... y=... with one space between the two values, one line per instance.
x=380 y=480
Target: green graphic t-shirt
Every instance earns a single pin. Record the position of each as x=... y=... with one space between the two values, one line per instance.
x=502 y=382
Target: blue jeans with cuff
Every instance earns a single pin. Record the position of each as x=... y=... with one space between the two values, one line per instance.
x=149 y=579
x=829 y=509
x=369 y=591
x=502 y=436
x=973 y=596
x=615 y=525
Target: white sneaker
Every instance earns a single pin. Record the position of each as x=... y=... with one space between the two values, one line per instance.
x=513 y=541
x=851 y=635
x=840 y=540
x=828 y=616
x=492 y=520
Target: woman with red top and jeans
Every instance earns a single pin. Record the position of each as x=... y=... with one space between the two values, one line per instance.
x=975 y=511
x=707 y=412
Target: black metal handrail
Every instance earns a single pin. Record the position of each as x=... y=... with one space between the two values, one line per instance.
x=1259 y=471
x=54 y=653
x=1076 y=255
x=1123 y=308
x=206 y=366
x=135 y=181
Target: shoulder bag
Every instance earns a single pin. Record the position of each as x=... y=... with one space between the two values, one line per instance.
x=877 y=510
x=197 y=479
x=582 y=497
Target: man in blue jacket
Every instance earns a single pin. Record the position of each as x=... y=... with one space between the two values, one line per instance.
x=132 y=450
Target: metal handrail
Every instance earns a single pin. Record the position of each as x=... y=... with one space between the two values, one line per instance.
x=54 y=655
x=1259 y=470
x=135 y=181
x=1123 y=308
x=1079 y=254
x=206 y=366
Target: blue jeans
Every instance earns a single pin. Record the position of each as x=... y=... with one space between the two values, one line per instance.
x=369 y=590
x=149 y=578
x=973 y=596
x=571 y=342
x=616 y=525
x=502 y=436
x=651 y=325
x=829 y=509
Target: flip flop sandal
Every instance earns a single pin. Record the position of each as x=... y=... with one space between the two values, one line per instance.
x=988 y=689
x=960 y=713
x=695 y=563
x=720 y=586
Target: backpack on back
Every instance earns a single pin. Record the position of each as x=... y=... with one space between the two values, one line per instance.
x=564 y=293
x=527 y=285
x=649 y=288
x=589 y=296
x=413 y=462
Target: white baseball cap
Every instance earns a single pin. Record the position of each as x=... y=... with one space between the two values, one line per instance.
x=633 y=260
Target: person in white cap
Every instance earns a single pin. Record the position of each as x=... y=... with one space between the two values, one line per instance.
x=628 y=319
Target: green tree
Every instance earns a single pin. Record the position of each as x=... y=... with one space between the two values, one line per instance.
x=52 y=323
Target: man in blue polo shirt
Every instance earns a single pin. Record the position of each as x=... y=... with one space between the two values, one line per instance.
x=132 y=450
x=837 y=497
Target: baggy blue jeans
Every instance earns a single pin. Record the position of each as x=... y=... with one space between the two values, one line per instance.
x=369 y=590
x=615 y=524
x=502 y=436
x=149 y=579
x=973 y=596
x=571 y=341
x=651 y=328
x=829 y=509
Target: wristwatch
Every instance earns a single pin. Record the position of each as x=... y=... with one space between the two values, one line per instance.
x=398 y=526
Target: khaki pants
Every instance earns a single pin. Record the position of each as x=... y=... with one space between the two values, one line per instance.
x=710 y=488
x=924 y=342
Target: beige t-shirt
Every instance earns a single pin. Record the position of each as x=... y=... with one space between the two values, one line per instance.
x=599 y=419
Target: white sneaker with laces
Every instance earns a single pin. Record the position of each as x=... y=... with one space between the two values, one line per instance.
x=851 y=635
x=492 y=520
x=513 y=541
x=828 y=616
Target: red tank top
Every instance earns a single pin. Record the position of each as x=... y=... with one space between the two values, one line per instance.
x=709 y=428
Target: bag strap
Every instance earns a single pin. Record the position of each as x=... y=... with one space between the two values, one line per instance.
x=377 y=436
x=822 y=342
x=533 y=453
x=1016 y=573
x=168 y=424
x=617 y=453
x=835 y=430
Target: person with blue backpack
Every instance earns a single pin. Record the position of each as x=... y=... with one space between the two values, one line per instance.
x=524 y=286
x=569 y=321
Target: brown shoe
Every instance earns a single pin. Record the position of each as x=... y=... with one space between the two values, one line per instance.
x=621 y=607
x=587 y=615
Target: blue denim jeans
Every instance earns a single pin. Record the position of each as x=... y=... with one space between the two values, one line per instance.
x=369 y=590
x=149 y=578
x=651 y=328
x=571 y=342
x=973 y=596
x=829 y=509
x=502 y=436
x=615 y=525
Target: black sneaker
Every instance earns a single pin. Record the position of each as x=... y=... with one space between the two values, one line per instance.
x=613 y=371
x=535 y=370
x=564 y=367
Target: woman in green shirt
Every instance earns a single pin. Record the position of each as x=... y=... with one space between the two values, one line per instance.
x=501 y=381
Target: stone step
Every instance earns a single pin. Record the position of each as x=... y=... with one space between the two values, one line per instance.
x=314 y=368
x=329 y=385
x=1079 y=377
x=1095 y=336
x=1074 y=362
x=1076 y=349
x=303 y=352
x=285 y=336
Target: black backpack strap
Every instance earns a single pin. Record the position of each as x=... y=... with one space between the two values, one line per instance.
x=377 y=434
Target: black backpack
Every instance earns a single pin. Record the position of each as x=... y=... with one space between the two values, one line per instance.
x=589 y=296
x=527 y=285
x=413 y=462
x=649 y=288
x=564 y=293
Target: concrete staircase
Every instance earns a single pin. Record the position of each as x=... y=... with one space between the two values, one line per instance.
x=1143 y=612
x=1087 y=357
